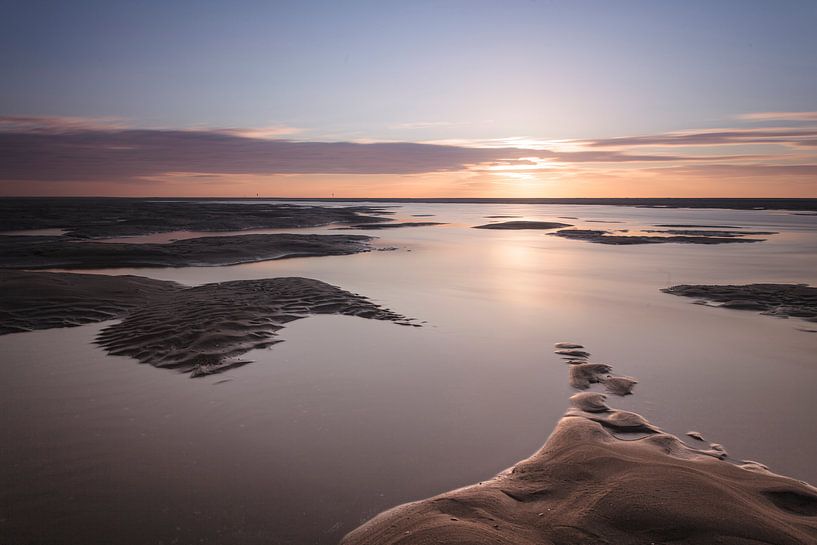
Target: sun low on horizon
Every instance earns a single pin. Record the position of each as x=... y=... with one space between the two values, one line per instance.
x=422 y=99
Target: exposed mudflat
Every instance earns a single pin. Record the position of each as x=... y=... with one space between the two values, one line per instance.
x=523 y=225
x=44 y=300
x=33 y=252
x=202 y=330
x=781 y=300
x=131 y=217
x=606 y=237
x=606 y=476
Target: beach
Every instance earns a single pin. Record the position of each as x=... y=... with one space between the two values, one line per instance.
x=347 y=416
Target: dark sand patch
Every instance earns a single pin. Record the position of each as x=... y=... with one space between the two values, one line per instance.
x=422 y=215
x=573 y=351
x=202 y=330
x=609 y=477
x=566 y=345
x=603 y=221
x=692 y=226
x=523 y=225
x=604 y=237
x=782 y=300
x=26 y=252
x=368 y=226
x=43 y=300
x=708 y=233
x=109 y=218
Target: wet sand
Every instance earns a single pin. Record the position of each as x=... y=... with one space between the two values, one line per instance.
x=32 y=252
x=101 y=448
x=201 y=330
x=30 y=301
x=607 y=476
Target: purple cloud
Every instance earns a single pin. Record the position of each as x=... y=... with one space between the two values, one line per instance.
x=75 y=150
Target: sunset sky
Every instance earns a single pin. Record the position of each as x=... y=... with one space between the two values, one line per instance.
x=409 y=99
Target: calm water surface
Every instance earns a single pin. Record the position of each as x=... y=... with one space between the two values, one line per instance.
x=351 y=416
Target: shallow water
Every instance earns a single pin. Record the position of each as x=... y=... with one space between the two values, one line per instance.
x=351 y=416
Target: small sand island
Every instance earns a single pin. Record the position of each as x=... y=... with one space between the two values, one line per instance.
x=698 y=237
x=781 y=300
x=523 y=225
x=200 y=330
x=369 y=226
x=607 y=476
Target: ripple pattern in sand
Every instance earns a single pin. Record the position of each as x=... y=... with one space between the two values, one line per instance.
x=203 y=330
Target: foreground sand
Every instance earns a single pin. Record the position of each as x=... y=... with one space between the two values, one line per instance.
x=609 y=477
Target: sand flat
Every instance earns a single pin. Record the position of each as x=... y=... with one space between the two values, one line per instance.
x=27 y=252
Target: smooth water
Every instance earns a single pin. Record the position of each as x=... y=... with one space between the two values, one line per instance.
x=351 y=416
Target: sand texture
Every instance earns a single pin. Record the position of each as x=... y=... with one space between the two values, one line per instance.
x=43 y=300
x=37 y=252
x=130 y=217
x=781 y=300
x=610 y=477
x=606 y=237
x=523 y=225
x=202 y=330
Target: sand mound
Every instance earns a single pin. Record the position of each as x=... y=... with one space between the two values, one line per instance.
x=44 y=300
x=34 y=252
x=202 y=330
x=606 y=476
x=782 y=300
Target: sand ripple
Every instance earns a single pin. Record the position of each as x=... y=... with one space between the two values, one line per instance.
x=202 y=330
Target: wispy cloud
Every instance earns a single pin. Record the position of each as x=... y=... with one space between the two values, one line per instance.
x=779 y=116
x=713 y=137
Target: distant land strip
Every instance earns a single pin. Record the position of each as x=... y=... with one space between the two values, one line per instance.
x=793 y=204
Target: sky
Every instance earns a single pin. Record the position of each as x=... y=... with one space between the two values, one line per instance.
x=447 y=98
